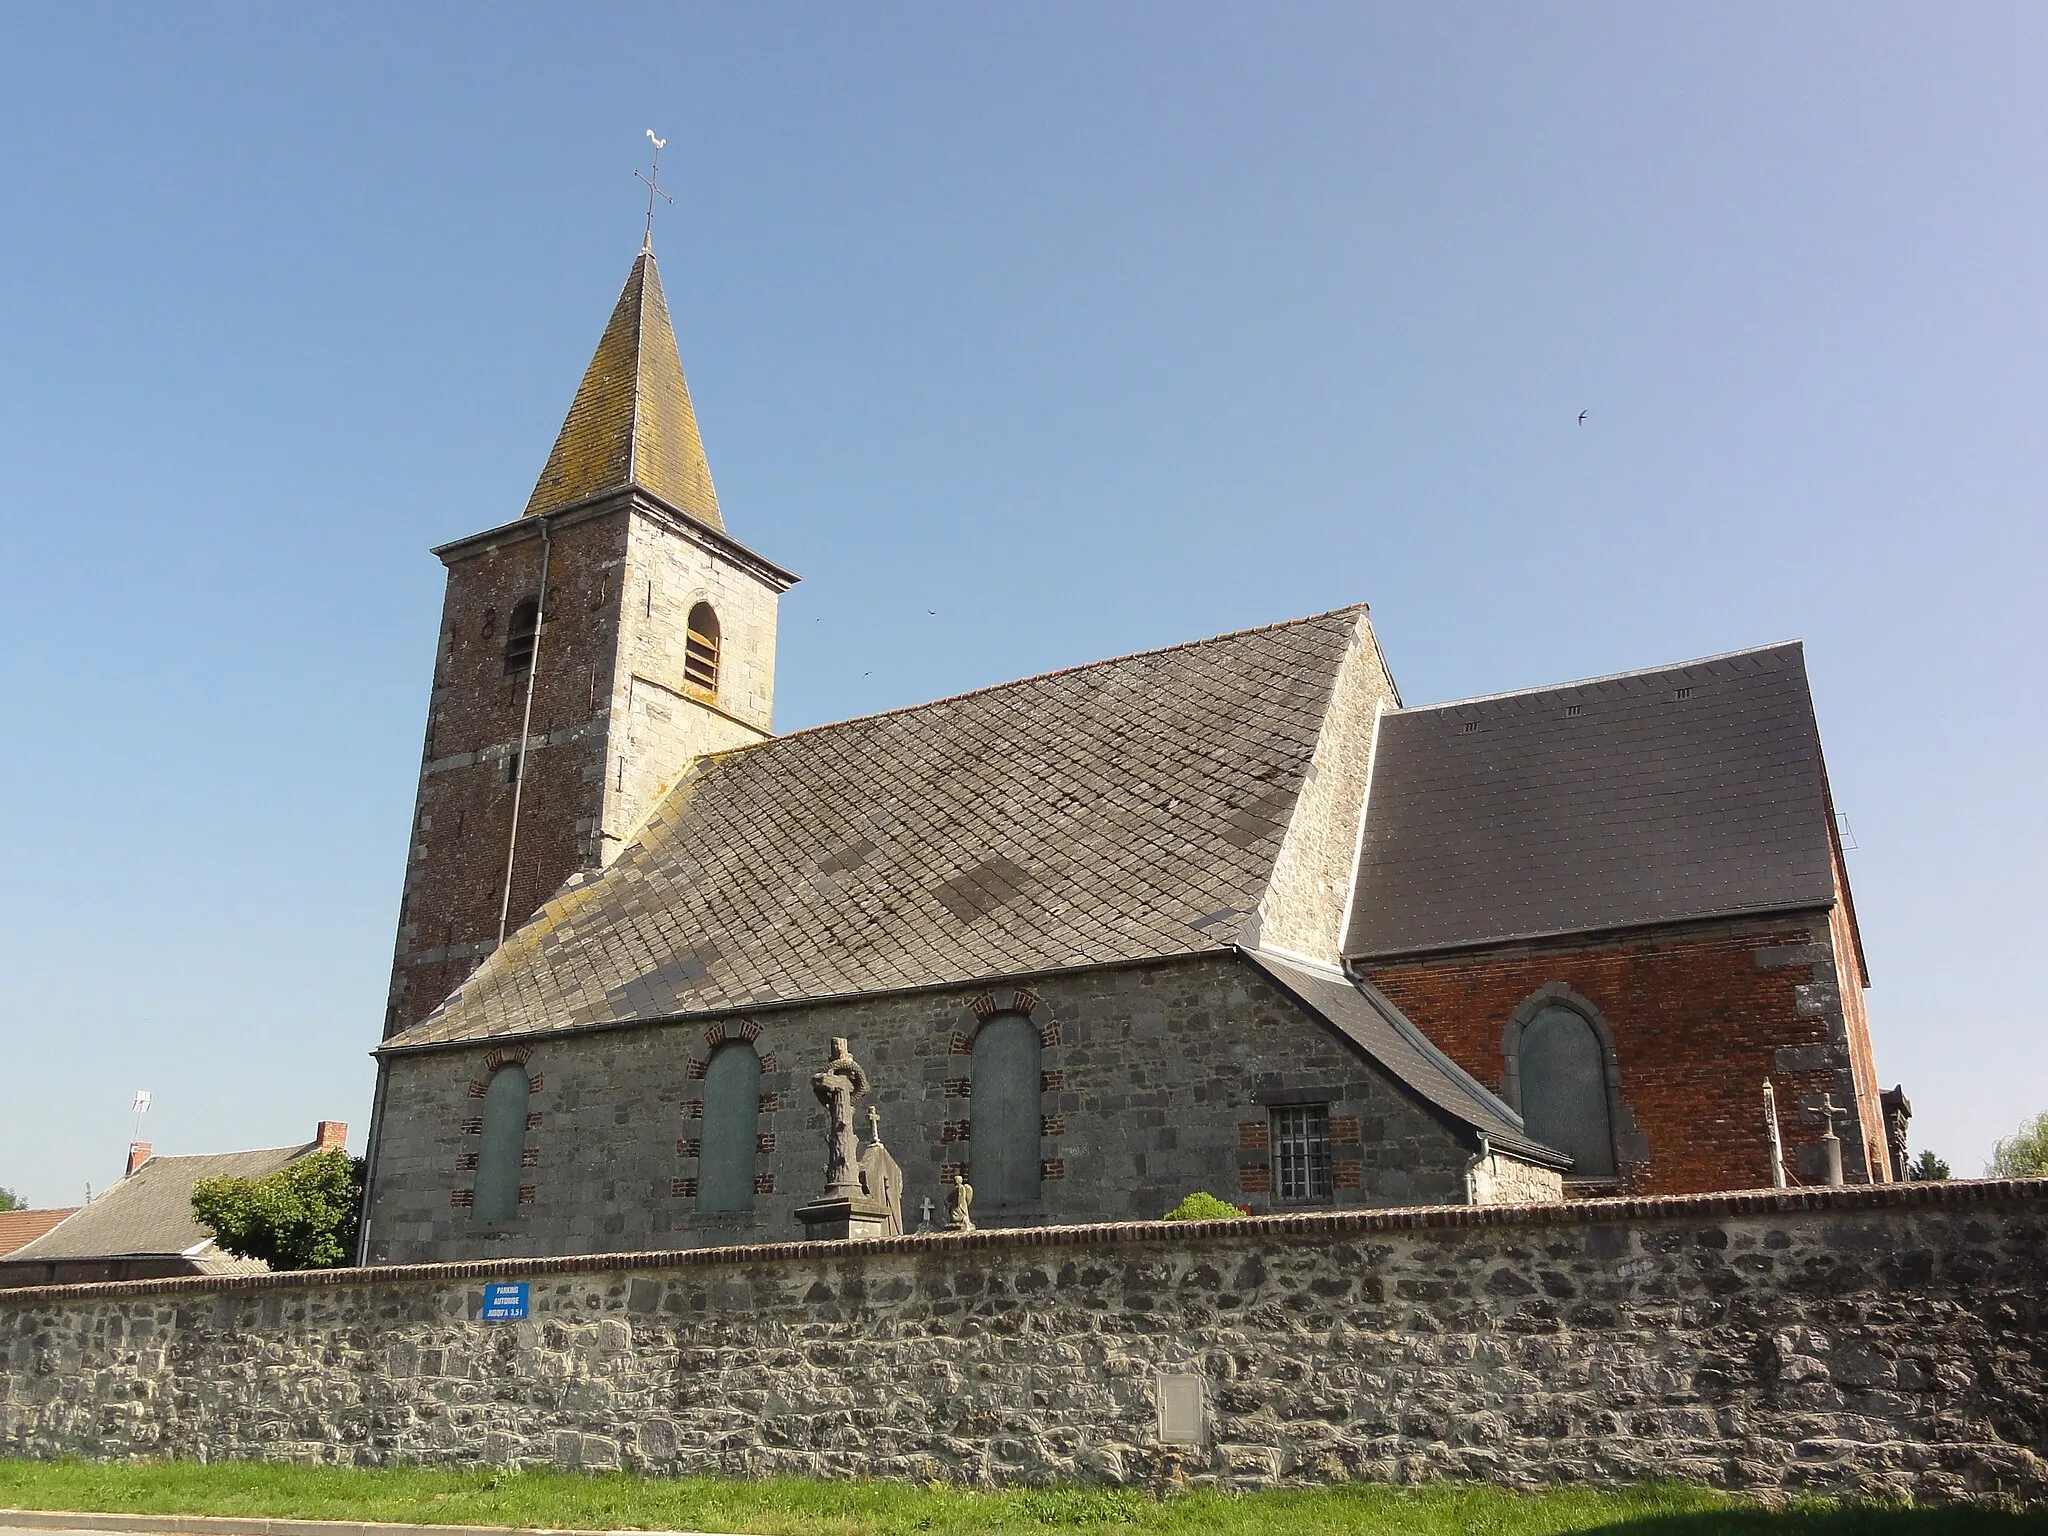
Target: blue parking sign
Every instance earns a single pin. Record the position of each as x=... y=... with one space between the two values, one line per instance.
x=504 y=1303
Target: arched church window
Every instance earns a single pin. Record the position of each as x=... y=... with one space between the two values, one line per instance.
x=732 y=1109
x=1563 y=1075
x=1005 y=1121
x=520 y=633
x=504 y=1146
x=700 y=649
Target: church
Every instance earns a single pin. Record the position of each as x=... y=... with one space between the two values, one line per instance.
x=1229 y=916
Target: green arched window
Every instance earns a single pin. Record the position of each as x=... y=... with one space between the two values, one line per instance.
x=1005 y=1119
x=1563 y=1069
x=504 y=1147
x=732 y=1111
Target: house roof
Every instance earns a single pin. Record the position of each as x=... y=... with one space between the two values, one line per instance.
x=18 y=1227
x=1123 y=810
x=631 y=422
x=1366 y=1017
x=1677 y=793
x=150 y=1211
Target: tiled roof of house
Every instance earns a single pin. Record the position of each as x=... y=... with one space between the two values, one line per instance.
x=1128 y=809
x=1689 y=791
x=631 y=422
x=150 y=1211
x=1369 y=1020
x=19 y=1227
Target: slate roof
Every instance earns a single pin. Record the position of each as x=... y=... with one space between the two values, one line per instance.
x=1683 y=792
x=19 y=1227
x=631 y=422
x=1123 y=810
x=1369 y=1020
x=150 y=1211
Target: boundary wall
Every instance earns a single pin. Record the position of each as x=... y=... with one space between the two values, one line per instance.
x=1880 y=1340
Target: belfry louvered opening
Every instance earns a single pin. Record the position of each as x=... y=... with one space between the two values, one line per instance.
x=700 y=649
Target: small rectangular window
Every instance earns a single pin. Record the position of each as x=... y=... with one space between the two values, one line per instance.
x=1301 y=1151
x=512 y=768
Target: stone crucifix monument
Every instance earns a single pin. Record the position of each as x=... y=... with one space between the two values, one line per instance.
x=845 y=1208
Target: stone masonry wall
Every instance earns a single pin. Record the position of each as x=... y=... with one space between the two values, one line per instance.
x=1878 y=1340
x=1701 y=1015
x=1156 y=1082
x=1302 y=910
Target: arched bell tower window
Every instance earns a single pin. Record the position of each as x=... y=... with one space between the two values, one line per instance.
x=519 y=635
x=1005 y=1111
x=504 y=1146
x=1563 y=1075
x=700 y=649
x=732 y=1111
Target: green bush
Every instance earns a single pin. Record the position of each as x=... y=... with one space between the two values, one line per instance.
x=2022 y=1155
x=304 y=1216
x=1205 y=1207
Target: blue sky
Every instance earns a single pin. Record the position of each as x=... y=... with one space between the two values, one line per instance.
x=1095 y=328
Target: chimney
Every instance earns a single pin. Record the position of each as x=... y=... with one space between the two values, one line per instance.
x=332 y=1136
x=138 y=1154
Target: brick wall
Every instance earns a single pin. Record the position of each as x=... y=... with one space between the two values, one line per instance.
x=1881 y=1342
x=1701 y=1015
x=1149 y=1073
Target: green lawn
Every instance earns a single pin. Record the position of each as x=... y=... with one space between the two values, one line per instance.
x=800 y=1507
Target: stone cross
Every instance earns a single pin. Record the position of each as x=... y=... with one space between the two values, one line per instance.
x=924 y=1222
x=1830 y=1141
x=842 y=1081
x=874 y=1125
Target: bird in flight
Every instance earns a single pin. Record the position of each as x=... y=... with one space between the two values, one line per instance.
x=932 y=611
x=1582 y=418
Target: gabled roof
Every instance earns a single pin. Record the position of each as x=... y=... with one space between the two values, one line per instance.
x=150 y=1211
x=19 y=1227
x=1683 y=792
x=1365 y=1016
x=1125 y=810
x=631 y=422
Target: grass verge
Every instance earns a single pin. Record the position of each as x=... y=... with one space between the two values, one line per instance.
x=804 y=1507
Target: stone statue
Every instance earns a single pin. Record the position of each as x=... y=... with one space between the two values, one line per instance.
x=842 y=1081
x=960 y=1199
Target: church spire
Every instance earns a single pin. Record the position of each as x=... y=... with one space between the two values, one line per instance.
x=631 y=423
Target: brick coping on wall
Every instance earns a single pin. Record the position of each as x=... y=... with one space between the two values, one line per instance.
x=1747 y=1202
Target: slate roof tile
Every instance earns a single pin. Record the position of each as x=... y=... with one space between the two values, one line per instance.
x=1609 y=803
x=1094 y=814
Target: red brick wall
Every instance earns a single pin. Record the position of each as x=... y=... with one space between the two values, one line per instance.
x=463 y=817
x=1701 y=1016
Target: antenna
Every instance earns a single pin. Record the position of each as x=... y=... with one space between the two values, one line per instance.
x=653 y=181
x=141 y=1108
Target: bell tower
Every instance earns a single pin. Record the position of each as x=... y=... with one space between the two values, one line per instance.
x=589 y=650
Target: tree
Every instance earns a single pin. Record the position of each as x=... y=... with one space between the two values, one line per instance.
x=2022 y=1155
x=1926 y=1167
x=10 y=1201
x=304 y=1216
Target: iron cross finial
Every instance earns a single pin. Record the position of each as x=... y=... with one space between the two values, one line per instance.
x=653 y=180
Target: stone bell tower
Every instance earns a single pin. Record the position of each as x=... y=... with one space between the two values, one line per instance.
x=589 y=650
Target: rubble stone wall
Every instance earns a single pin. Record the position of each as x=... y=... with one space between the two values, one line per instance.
x=1880 y=1340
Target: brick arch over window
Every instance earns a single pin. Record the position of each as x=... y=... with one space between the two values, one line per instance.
x=1561 y=1071
x=1003 y=1149
x=732 y=1119
x=501 y=1157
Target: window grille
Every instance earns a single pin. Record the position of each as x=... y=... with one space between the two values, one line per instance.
x=700 y=649
x=1301 y=1151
